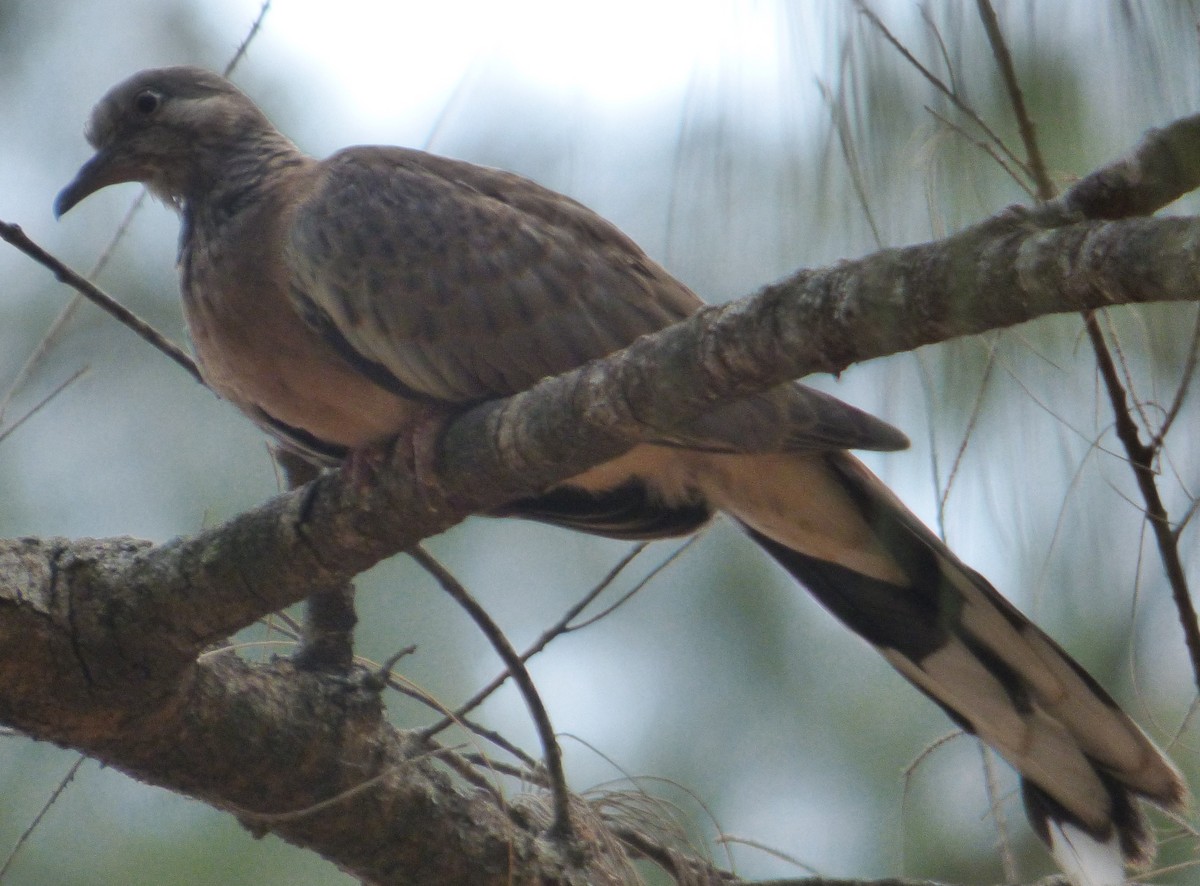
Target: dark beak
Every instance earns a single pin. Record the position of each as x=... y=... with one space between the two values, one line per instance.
x=104 y=169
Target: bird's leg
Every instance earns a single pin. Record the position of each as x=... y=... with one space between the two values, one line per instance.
x=329 y=620
x=363 y=463
x=415 y=446
x=327 y=641
x=426 y=434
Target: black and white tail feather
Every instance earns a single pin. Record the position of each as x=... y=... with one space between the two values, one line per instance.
x=1084 y=764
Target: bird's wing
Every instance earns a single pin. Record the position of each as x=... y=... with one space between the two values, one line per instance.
x=465 y=283
x=454 y=283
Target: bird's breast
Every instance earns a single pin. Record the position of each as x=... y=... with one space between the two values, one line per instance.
x=256 y=351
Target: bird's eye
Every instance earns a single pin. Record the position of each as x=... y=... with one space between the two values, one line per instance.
x=147 y=102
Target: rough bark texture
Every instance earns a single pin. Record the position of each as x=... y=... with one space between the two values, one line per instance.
x=102 y=641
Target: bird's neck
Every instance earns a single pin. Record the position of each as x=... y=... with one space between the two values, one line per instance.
x=242 y=175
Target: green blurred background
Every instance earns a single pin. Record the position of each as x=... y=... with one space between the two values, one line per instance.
x=721 y=135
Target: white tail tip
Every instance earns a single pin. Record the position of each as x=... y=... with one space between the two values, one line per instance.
x=1085 y=860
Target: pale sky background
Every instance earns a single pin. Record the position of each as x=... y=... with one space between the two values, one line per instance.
x=615 y=53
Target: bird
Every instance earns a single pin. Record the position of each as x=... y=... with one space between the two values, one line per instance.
x=337 y=301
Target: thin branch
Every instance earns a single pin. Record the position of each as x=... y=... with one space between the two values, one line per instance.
x=521 y=773
x=1141 y=459
x=466 y=770
x=996 y=807
x=837 y=115
x=564 y=626
x=37 y=819
x=383 y=673
x=1186 y=377
x=549 y=634
x=988 y=149
x=416 y=693
x=255 y=27
x=968 y=432
x=624 y=598
x=553 y=753
x=943 y=49
x=15 y=236
x=772 y=851
x=294 y=815
x=492 y=736
x=50 y=338
x=1187 y=517
x=1034 y=164
x=951 y=94
x=5 y=433
x=681 y=868
x=1137 y=403
x=1140 y=456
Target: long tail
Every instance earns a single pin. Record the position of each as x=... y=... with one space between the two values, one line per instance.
x=1083 y=762
x=835 y=527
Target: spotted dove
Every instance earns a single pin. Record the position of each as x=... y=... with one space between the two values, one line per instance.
x=333 y=300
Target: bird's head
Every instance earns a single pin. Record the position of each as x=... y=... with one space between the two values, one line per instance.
x=169 y=128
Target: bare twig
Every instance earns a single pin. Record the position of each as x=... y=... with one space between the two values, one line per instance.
x=1185 y=383
x=522 y=773
x=559 y=627
x=37 y=407
x=416 y=693
x=1113 y=339
x=37 y=819
x=1141 y=457
x=988 y=149
x=255 y=26
x=1034 y=164
x=50 y=338
x=551 y=750
x=996 y=808
x=951 y=94
x=608 y=610
x=1141 y=460
x=15 y=236
x=968 y=432
x=495 y=738
x=837 y=115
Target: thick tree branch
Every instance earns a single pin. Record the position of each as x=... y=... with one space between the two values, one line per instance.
x=101 y=641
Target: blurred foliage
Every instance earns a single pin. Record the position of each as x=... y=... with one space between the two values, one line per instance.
x=720 y=676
